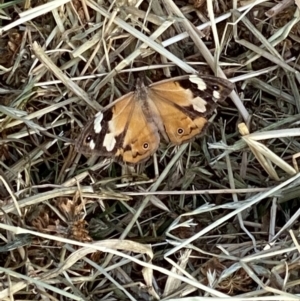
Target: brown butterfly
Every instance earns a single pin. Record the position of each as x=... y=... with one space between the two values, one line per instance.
x=177 y=109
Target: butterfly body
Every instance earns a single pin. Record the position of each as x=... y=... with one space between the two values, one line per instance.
x=176 y=109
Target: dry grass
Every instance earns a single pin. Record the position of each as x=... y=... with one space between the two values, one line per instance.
x=220 y=219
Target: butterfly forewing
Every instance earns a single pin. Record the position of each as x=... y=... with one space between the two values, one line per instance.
x=183 y=104
x=126 y=133
x=97 y=138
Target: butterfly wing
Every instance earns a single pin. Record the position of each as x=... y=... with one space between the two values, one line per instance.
x=123 y=131
x=178 y=108
x=183 y=104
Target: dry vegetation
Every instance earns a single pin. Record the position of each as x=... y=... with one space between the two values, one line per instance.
x=221 y=217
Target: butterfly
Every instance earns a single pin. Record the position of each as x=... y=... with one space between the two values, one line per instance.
x=175 y=109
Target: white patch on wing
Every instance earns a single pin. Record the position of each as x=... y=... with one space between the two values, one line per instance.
x=199 y=104
x=199 y=82
x=216 y=95
x=97 y=122
x=92 y=144
x=109 y=142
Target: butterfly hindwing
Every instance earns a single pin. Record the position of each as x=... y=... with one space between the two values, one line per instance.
x=140 y=138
